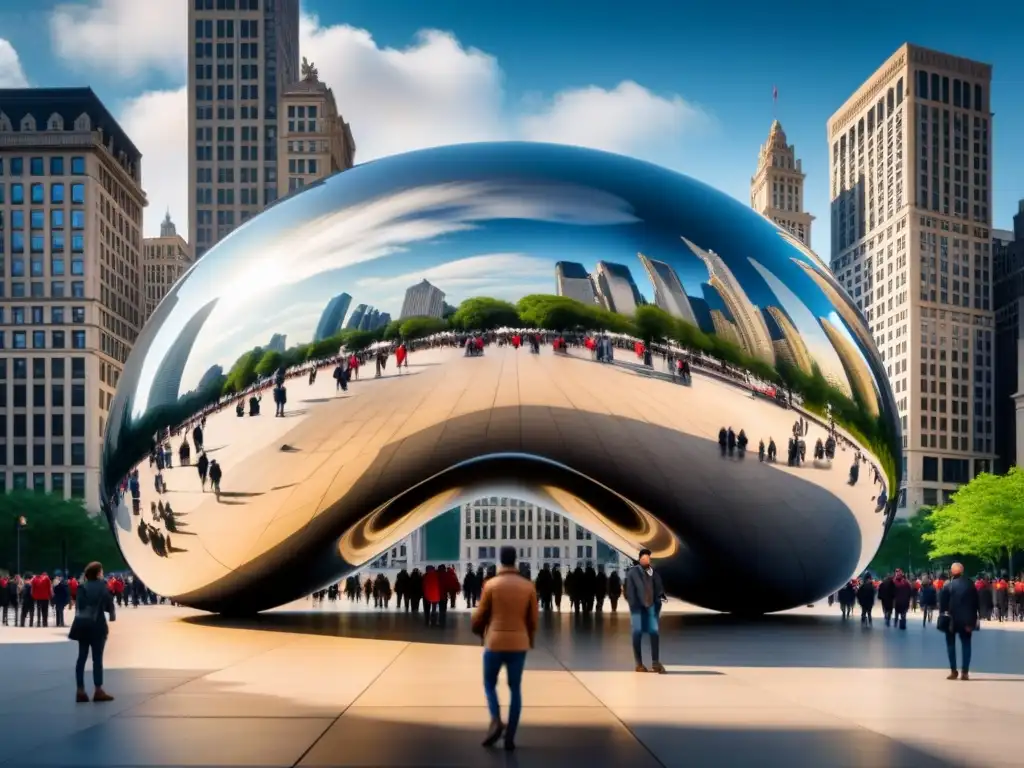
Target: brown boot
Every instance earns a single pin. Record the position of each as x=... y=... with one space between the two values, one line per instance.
x=81 y=696
x=953 y=675
x=101 y=695
x=641 y=668
x=658 y=668
x=965 y=675
x=494 y=733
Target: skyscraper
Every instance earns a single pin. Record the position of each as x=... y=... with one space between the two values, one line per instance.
x=788 y=344
x=750 y=325
x=422 y=300
x=166 y=387
x=241 y=56
x=278 y=343
x=669 y=293
x=573 y=282
x=777 y=186
x=314 y=141
x=71 y=244
x=1008 y=298
x=618 y=291
x=857 y=370
x=164 y=260
x=333 y=317
x=356 y=317
x=910 y=162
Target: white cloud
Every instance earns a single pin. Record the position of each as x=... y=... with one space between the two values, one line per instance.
x=126 y=36
x=433 y=92
x=156 y=122
x=628 y=119
x=11 y=73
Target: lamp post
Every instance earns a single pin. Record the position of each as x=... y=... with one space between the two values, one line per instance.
x=19 y=523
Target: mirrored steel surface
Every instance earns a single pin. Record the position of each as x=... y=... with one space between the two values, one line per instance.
x=621 y=447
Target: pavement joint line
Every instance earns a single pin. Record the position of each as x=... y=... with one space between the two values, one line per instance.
x=351 y=704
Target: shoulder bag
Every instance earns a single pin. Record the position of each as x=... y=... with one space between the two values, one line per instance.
x=942 y=622
x=84 y=623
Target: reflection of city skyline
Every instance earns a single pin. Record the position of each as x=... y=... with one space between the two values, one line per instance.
x=166 y=386
x=333 y=317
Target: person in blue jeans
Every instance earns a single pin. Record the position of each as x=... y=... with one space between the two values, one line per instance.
x=506 y=618
x=644 y=595
x=92 y=604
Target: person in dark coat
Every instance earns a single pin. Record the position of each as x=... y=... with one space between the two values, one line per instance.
x=847 y=596
x=415 y=589
x=903 y=591
x=197 y=438
x=645 y=595
x=959 y=601
x=202 y=467
x=601 y=588
x=402 y=589
x=61 y=598
x=866 y=599
x=928 y=599
x=557 y=587
x=614 y=590
x=885 y=597
x=544 y=589
x=589 y=591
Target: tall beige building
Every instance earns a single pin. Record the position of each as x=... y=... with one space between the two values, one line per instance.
x=241 y=56
x=910 y=172
x=70 y=301
x=314 y=140
x=777 y=187
x=164 y=260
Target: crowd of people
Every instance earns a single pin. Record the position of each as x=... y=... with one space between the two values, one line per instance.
x=32 y=599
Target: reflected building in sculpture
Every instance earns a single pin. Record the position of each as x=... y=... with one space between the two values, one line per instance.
x=753 y=333
x=347 y=476
x=278 y=343
x=669 y=293
x=787 y=342
x=856 y=370
x=423 y=300
x=574 y=282
x=333 y=317
x=617 y=289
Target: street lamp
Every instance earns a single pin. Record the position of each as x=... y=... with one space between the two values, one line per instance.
x=19 y=523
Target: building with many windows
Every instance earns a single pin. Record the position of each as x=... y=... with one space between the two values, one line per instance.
x=71 y=306
x=777 y=186
x=910 y=156
x=1008 y=298
x=242 y=55
x=423 y=300
x=164 y=260
x=473 y=534
x=314 y=141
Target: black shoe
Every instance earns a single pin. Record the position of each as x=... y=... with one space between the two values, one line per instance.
x=495 y=732
x=510 y=745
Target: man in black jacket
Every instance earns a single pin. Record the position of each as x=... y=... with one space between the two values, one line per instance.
x=959 y=600
x=644 y=594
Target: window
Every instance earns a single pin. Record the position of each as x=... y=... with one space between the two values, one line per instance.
x=78 y=395
x=57 y=478
x=56 y=219
x=78 y=454
x=56 y=166
x=78 y=485
x=57 y=193
x=78 y=425
x=78 y=339
x=57 y=429
x=77 y=193
x=77 y=368
x=36 y=166
x=38 y=196
x=78 y=166
x=17 y=194
x=57 y=368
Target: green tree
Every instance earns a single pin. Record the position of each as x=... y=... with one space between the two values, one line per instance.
x=269 y=362
x=243 y=372
x=985 y=518
x=393 y=330
x=653 y=324
x=54 y=524
x=905 y=546
x=418 y=327
x=356 y=341
x=484 y=314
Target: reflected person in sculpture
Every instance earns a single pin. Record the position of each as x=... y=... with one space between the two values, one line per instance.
x=489 y=244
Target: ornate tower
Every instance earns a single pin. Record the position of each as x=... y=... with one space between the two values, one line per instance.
x=777 y=187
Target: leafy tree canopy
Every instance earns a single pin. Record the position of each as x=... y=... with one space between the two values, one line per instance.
x=52 y=521
x=985 y=518
x=418 y=327
x=269 y=362
x=484 y=314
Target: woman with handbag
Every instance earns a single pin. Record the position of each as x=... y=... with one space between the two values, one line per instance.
x=93 y=603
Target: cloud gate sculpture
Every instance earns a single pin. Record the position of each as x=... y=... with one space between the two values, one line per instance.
x=678 y=333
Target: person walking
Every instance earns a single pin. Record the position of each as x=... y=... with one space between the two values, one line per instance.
x=958 y=615
x=89 y=628
x=644 y=595
x=506 y=618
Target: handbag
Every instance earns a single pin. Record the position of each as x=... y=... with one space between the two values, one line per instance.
x=942 y=623
x=84 y=623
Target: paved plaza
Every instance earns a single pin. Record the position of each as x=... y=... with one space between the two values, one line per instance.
x=314 y=686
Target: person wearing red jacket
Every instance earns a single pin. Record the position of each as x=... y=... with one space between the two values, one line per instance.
x=402 y=357
x=452 y=585
x=42 y=593
x=432 y=594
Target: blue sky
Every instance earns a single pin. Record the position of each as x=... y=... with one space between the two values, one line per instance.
x=550 y=69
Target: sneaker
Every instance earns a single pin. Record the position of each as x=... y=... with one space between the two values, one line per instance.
x=641 y=668
x=658 y=668
x=953 y=675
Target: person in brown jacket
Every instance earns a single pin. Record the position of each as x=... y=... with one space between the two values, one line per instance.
x=506 y=617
